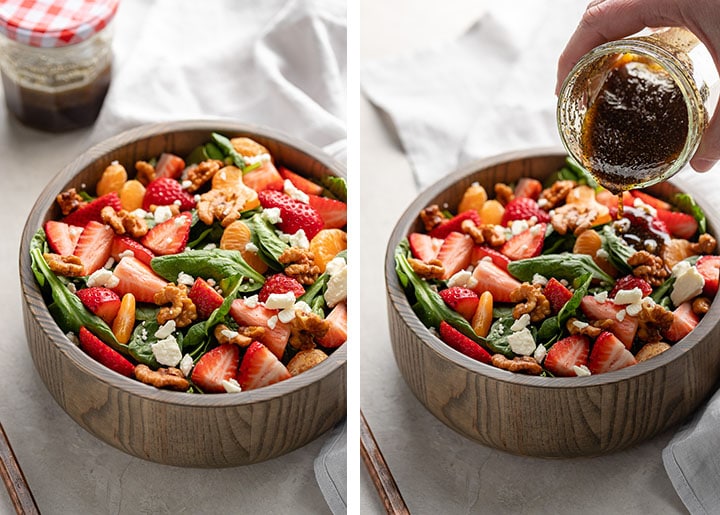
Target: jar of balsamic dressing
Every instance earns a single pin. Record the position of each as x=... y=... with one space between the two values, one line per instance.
x=632 y=111
x=55 y=60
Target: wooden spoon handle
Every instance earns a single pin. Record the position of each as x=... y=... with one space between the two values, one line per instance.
x=14 y=479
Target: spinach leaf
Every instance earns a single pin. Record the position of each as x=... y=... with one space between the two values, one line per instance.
x=265 y=237
x=561 y=266
x=663 y=290
x=227 y=149
x=146 y=312
x=571 y=306
x=555 y=243
x=501 y=311
x=550 y=331
x=201 y=234
x=618 y=251
x=496 y=340
x=687 y=204
x=336 y=186
x=572 y=172
x=140 y=343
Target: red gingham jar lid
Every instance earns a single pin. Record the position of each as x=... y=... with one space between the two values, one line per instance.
x=54 y=23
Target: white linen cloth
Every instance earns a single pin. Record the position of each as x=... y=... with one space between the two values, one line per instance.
x=275 y=63
x=492 y=90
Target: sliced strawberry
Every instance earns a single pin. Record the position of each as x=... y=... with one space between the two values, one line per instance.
x=103 y=302
x=463 y=344
x=295 y=215
x=709 y=268
x=495 y=280
x=91 y=211
x=557 y=294
x=527 y=244
x=444 y=228
x=62 y=237
x=137 y=278
x=280 y=283
x=523 y=208
x=169 y=237
x=455 y=252
x=650 y=200
x=300 y=182
x=596 y=310
x=462 y=300
x=684 y=321
x=628 y=283
x=264 y=178
x=608 y=354
x=423 y=246
x=124 y=245
x=528 y=187
x=566 y=354
x=260 y=367
x=276 y=338
x=169 y=165
x=680 y=225
x=627 y=199
x=165 y=191
x=93 y=246
x=337 y=333
x=215 y=366
x=104 y=354
x=333 y=212
x=499 y=259
x=205 y=298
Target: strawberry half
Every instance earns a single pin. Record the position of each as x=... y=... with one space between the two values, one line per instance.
x=260 y=367
x=164 y=191
x=455 y=252
x=276 y=338
x=528 y=187
x=280 y=283
x=527 y=244
x=709 y=268
x=93 y=246
x=463 y=344
x=333 y=212
x=650 y=200
x=461 y=300
x=684 y=321
x=566 y=354
x=523 y=208
x=91 y=211
x=169 y=237
x=215 y=366
x=137 y=278
x=495 y=280
x=123 y=245
x=628 y=283
x=205 y=298
x=608 y=354
x=454 y=224
x=295 y=215
x=337 y=333
x=300 y=182
x=264 y=178
x=169 y=165
x=104 y=354
x=557 y=294
x=102 y=302
x=596 y=310
x=423 y=246
x=62 y=237
x=679 y=225
x=499 y=259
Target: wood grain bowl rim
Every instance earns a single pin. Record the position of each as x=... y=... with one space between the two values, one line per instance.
x=398 y=300
x=37 y=307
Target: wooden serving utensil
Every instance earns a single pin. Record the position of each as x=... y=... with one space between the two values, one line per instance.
x=14 y=479
x=379 y=471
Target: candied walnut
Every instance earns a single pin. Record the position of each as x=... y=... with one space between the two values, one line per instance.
x=305 y=360
x=603 y=323
x=493 y=235
x=649 y=267
x=701 y=305
x=248 y=147
x=69 y=201
x=706 y=244
x=574 y=218
x=431 y=217
x=433 y=269
x=182 y=309
x=300 y=265
x=530 y=300
x=575 y=326
x=124 y=222
x=145 y=172
x=650 y=350
x=504 y=193
x=653 y=320
x=254 y=332
x=225 y=336
x=223 y=205
x=519 y=364
x=555 y=195
x=304 y=328
x=69 y=266
x=202 y=173
x=170 y=378
x=111 y=217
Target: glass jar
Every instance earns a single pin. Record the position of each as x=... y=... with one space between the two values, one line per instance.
x=632 y=112
x=55 y=60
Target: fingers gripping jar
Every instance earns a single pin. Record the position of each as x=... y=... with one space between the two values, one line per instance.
x=55 y=59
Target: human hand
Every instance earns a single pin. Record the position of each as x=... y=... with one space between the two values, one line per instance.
x=608 y=20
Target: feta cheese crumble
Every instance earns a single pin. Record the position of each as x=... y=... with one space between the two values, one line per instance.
x=165 y=330
x=251 y=247
x=522 y=342
x=624 y=297
x=102 y=277
x=521 y=323
x=336 y=291
x=687 y=285
x=162 y=214
x=251 y=301
x=299 y=239
x=231 y=385
x=186 y=365
x=167 y=351
x=581 y=370
x=272 y=215
x=186 y=279
x=280 y=300
x=540 y=353
x=463 y=279
x=272 y=322
x=291 y=191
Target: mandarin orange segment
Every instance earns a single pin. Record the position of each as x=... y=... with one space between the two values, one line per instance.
x=228 y=178
x=326 y=244
x=473 y=198
x=482 y=319
x=588 y=242
x=675 y=250
x=236 y=236
x=492 y=212
x=112 y=179
x=124 y=322
x=131 y=195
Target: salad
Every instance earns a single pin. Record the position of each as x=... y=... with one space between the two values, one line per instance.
x=561 y=278
x=220 y=271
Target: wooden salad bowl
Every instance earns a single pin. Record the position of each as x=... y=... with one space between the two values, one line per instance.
x=542 y=416
x=169 y=427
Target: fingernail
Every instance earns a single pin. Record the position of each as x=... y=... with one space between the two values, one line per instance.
x=702 y=165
